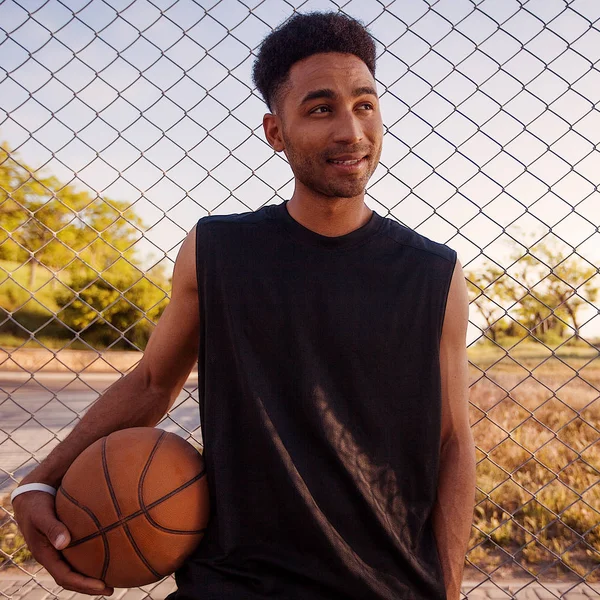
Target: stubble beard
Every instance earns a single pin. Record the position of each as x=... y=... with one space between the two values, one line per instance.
x=309 y=170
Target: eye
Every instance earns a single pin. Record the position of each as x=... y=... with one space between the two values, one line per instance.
x=367 y=104
x=317 y=110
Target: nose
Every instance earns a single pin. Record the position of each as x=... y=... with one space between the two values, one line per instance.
x=347 y=128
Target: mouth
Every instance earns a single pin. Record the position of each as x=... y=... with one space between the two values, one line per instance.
x=349 y=164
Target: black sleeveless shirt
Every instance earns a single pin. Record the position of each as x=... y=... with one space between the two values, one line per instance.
x=320 y=407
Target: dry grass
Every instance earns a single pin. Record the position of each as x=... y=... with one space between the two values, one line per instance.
x=536 y=424
x=12 y=544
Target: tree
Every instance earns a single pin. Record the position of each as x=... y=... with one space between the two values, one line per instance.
x=87 y=242
x=539 y=295
x=479 y=285
x=125 y=303
x=54 y=225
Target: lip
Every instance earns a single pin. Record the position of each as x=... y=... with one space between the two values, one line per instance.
x=347 y=157
x=348 y=168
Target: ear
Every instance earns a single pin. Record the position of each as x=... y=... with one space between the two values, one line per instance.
x=272 y=126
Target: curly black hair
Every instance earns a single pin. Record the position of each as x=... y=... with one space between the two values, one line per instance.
x=302 y=36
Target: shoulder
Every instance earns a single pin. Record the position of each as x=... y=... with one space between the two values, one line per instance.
x=405 y=236
x=456 y=319
x=234 y=220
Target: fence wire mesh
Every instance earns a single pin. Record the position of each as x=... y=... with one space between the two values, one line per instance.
x=123 y=122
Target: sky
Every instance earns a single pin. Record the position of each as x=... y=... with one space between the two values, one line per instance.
x=491 y=111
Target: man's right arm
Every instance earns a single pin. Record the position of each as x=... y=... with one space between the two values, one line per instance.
x=139 y=399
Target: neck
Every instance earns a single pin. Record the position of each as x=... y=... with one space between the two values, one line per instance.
x=329 y=216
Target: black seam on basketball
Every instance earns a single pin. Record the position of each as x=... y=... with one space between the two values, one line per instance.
x=145 y=470
x=141 y=494
x=98 y=525
x=110 y=487
x=139 y=553
x=126 y=527
x=118 y=509
x=108 y=482
x=137 y=513
x=145 y=508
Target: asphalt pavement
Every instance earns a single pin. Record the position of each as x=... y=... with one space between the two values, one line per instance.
x=36 y=414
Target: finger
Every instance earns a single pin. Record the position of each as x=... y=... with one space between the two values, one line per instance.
x=45 y=521
x=77 y=582
x=46 y=535
x=61 y=571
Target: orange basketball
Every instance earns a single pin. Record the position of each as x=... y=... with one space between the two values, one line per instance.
x=136 y=504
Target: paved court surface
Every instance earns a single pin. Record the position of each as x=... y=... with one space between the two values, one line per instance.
x=55 y=399
x=44 y=588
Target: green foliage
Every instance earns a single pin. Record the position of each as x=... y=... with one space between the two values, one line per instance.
x=539 y=296
x=67 y=263
x=43 y=219
x=123 y=303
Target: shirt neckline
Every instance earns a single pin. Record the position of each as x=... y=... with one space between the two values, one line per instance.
x=303 y=234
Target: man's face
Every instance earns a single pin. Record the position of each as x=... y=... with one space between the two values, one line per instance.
x=330 y=124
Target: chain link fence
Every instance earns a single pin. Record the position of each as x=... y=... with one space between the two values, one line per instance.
x=124 y=121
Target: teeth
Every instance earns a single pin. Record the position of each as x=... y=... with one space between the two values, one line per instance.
x=346 y=162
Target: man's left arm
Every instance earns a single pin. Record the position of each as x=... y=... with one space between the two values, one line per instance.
x=453 y=510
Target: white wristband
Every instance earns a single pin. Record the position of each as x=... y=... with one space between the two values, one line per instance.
x=32 y=487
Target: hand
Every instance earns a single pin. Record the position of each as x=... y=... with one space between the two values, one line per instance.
x=45 y=535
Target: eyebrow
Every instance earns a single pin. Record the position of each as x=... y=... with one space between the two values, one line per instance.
x=331 y=95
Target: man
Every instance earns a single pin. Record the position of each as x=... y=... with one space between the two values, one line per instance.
x=332 y=366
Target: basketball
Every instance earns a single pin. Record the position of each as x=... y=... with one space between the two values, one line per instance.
x=136 y=505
